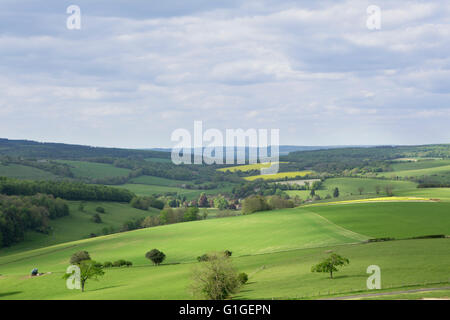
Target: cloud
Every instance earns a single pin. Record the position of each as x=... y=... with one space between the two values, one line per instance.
x=148 y=68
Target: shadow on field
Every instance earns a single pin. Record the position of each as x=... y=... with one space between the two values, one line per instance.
x=5 y=294
x=349 y=276
x=104 y=288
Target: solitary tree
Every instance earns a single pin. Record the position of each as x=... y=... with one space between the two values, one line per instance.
x=156 y=256
x=377 y=189
x=215 y=278
x=89 y=269
x=330 y=264
x=336 y=192
x=360 y=190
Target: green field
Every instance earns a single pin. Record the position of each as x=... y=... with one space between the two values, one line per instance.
x=24 y=172
x=275 y=248
x=415 y=165
x=280 y=175
x=348 y=187
x=78 y=225
x=390 y=219
x=440 y=170
x=151 y=180
x=94 y=170
x=149 y=190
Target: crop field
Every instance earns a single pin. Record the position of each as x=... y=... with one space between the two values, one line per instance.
x=84 y=169
x=25 y=172
x=278 y=265
x=280 y=175
x=247 y=167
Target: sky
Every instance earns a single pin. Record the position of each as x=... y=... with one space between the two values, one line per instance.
x=138 y=70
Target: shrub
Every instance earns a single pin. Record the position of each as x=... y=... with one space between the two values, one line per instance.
x=203 y=257
x=215 y=279
x=128 y=263
x=228 y=253
x=96 y=218
x=107 y=264
x=119 y=263
x=100 y=209
x=243 y=278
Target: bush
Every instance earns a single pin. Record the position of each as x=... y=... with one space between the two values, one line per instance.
x=254 y=204
x=228 y=253
x=203 y=257
x=119 y=263
x=128 y=263
x=156 y=256
x=215 y=279
x=100 y=209
x=76 y=258
x=107 y=264
x=96 y=218
x=243 y=278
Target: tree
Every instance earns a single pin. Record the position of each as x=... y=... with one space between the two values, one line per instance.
x=215 y=278
x=96 y=218
x=336 y=192
x=377 y=189
x=330 y=264
x=79 y=256
x=156 y=256
x=89 y=269
x=254 y=204
x=191 y=214
x=360 y=190
x=220 y=202
x=203 y=201
x=389 y=190
x=312 y=193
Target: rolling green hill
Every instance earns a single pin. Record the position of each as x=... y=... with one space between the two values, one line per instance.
x=275 y=248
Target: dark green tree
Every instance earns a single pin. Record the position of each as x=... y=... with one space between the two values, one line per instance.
x=330 y=264
x=156 y=256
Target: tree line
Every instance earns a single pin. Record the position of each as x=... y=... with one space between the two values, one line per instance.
x=19 y=214
x=64 y=189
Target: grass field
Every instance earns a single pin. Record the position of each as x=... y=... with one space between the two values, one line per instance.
x=85 y=169
x=348 y=187
x=79 y=225
x=440 y=170
x=424 y=164
x=151 y=180
x=278 y=265
x=25 y=172
x=389 y=219
x=149 y=190
x=280 y=175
